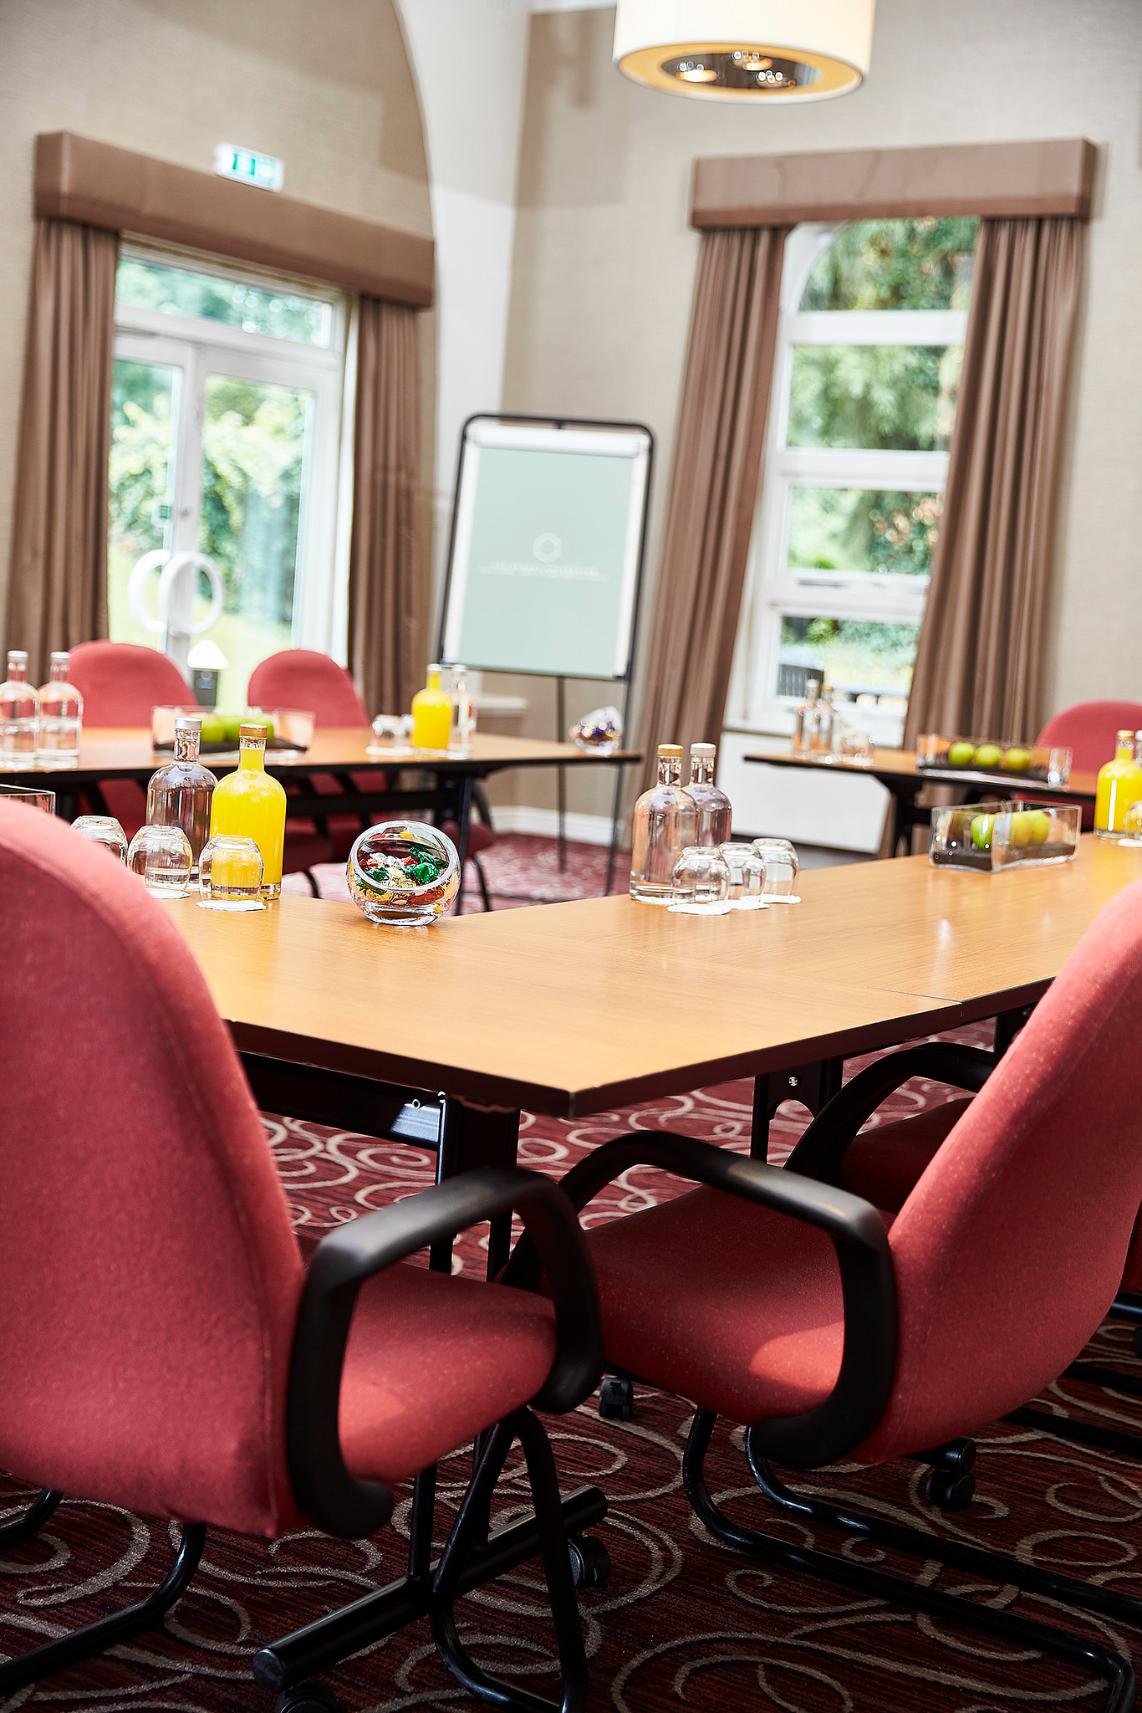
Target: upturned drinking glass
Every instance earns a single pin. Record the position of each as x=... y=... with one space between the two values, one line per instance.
x=30 y=796
x=103 y=830
x=781 y=867
x=747 y=875
x=160 y=856
x=701 y=880
x=230 y=874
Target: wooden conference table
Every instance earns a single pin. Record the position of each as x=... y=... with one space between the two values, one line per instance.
x=348 y=752
x=442 y=1036
x=897 y=770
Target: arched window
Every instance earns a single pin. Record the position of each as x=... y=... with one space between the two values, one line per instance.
x=870 y=344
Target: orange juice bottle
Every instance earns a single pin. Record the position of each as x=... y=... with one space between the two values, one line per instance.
x=1119 y=785
x=251 y=805
x=432 y=713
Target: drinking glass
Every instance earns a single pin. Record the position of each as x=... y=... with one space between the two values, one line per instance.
x=161 y=857
x=781 y=867
x=30 y=797
x=747 y=875
x=701 y=882
x=230 y=874
x=103 y=830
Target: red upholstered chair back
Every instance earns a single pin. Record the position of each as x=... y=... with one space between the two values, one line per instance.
x=1088 y=729
x=302 y=678
x=122 y=682
x=149 y=1279
x=1011 y=1247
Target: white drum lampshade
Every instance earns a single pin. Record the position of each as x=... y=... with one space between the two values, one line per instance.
x=746 y=50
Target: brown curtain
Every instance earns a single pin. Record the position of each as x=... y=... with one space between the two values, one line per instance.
x=980 y=657
x=713 y=486
x=57 y=590
x=387 y=582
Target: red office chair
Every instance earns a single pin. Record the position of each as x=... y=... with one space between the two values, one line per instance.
x=832 y=1330
x=121 y=682
x=302 y=678
x=162 y=1345
x=1088 y=731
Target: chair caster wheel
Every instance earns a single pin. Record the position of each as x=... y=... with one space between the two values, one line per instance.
x=309 y=1698
x=590 y=1561
x=616 y=1399
x=950 y=1492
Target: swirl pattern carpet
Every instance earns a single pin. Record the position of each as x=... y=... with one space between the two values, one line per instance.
x=683 y=1626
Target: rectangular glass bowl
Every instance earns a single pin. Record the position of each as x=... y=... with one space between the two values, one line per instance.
x=293 y=728
x=980 y=756
x=986 y=838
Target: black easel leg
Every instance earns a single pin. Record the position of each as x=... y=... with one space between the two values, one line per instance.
x=117 y=1627
x=1115 y=1671
x=560 y=776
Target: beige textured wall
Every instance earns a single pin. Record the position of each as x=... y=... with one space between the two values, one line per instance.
x=327 y=88
x=604 y=260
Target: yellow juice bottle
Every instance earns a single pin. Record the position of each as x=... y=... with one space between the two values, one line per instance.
x=251 y=805
x=432 y=713
x=1119 y=785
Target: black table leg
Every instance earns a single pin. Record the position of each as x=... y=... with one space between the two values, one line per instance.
x=812 y=1085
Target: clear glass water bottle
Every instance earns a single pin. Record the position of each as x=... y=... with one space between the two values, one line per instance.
x=826 y=721
x=181 y=793
x=665 y=823
x=463 y=709
x=805 y=719
x=61 y=712
x=715 y=816
x=19 y=714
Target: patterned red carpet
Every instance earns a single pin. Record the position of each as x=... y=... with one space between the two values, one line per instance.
x=683 y=1624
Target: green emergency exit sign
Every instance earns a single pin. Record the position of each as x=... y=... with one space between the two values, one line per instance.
x=248 y=166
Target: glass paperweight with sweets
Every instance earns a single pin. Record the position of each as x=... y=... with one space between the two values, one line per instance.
x=701 y=882
x=403 y=873
x=599 y=732
x=230 y=874
x=984 y=756
x=103 y=830
x=986 y=838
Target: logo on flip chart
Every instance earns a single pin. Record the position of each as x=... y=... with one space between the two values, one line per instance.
x=547 y=549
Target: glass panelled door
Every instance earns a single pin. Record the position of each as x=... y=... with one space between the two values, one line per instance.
x=225 y=441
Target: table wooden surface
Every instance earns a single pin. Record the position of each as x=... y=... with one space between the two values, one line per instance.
x=888 y=765
x=126 y=752
x=576 y=1008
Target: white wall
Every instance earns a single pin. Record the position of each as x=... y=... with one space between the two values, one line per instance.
x=470 y=64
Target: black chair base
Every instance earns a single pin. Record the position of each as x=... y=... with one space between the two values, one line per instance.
x=1116 y=1672
x=29 y=1522
x=96 y=1638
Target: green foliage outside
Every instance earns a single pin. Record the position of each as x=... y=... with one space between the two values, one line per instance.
x=213 y=297
x=878 y=397
x=856 y=655
x=861 y=529
x=894 y=264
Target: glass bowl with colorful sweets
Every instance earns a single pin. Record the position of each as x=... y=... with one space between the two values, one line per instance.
x=1039 y=762
x=986 y=838
x=403 y=873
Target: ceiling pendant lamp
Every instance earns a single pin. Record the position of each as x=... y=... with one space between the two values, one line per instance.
x=746 y=50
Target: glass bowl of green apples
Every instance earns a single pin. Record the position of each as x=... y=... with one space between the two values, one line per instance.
x=983 y=756
x=987 y=838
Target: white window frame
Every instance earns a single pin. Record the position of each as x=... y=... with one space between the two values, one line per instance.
x=774 y=589
x=196 y=348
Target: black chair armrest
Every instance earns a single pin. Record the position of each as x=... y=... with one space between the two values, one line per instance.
x=822 y=1147
x=868 y=1282
x=325 y=1489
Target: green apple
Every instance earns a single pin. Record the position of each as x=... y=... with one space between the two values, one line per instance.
x=1038 y=826
x=960 y=754
x=1020 y=835
x=987 y=756
x=231 y=727
x=213 y=729
x=1016 y=760
x=981 y=831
